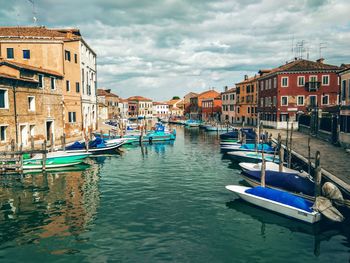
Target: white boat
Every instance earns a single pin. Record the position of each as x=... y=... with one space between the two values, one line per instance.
x=284 y=209
x=271 y=166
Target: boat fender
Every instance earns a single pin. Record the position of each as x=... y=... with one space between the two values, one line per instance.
x=332 y=192
x=325 y=207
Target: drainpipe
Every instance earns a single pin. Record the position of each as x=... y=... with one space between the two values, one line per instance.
x=15 y=84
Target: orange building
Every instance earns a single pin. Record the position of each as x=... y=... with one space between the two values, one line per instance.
x=211 y=109
x=196 y=103
x=246 y=107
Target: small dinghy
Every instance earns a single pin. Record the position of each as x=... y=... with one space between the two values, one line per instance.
x=252 y=157
x=278 y=201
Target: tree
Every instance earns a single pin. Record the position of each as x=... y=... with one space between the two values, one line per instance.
x=176 y=98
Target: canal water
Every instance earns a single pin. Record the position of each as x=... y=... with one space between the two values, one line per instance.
x=161 y=202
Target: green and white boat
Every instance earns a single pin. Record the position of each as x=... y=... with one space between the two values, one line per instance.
x=55 y=160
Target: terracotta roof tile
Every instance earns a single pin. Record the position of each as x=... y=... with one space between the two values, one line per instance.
x=106 y=93
x=28 y=67
x=139 y=98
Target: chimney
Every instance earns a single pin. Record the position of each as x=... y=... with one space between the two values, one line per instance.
x=320 y=60
x=226 y=88
x=108 y=90
x=245 y=77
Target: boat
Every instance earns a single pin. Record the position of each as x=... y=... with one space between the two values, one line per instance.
x=55 y=160
x=217 y=128
x=159 y=134
x=248 y=147
x=252 y=156
x=192 y=123
x=249 y=132
x=97 y=146
x=278 y=201
x=289 y=180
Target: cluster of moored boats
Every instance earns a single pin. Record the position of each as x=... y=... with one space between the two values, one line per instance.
x=77 y=152
x=273 y=185
x=207 y=126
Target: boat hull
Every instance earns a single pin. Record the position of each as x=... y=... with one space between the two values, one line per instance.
x=274 y=206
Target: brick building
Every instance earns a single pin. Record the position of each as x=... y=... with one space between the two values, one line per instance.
x=30 y=104
x=211 y=109
x=111 y=100
x=196 y=103
x=297 y=88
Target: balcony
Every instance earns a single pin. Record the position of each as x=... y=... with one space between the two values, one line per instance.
x=312 y=86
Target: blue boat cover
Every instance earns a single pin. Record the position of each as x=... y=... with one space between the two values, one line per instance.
x=76 y=146
x=251 y=146
x=281 y=197
x=97 y=143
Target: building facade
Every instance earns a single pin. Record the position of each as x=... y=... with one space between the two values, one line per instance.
x=187 y=103
x=246 y=91
x=57 y=50
x=228 y=98
x=30 y=104
x=123 y=108
x=211 y=109
x=140 y=107
x=160 y=109
x=176 y=107
x=344 y=131
x=112 y=102
x=195 y=107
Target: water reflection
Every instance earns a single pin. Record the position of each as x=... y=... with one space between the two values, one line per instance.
x=321 y=232
x=43 y=205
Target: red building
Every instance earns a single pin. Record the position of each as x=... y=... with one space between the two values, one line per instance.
x=296 y=88
x=211 y=109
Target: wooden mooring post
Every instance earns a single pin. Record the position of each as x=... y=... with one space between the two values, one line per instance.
x=318 y=175
x=44 y=156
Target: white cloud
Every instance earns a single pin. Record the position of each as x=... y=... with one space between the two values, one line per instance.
x=165 y=48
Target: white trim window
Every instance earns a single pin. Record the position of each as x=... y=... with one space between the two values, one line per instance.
x=4 y=99
x=262 y=85
x=300 y=100
x=325 y=99
x=3 y=133
x=31 y=103
x=313 y=78
x=284 y=82
x=41 y=80
x=284 y=100
x=275 y=83
x=67 y=85
x=72 y=117
x=325 y=80
x=301 y=81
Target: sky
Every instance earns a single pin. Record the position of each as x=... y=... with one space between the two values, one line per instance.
x=160 y=49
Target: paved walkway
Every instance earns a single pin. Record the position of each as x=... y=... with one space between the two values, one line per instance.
x=334 y=160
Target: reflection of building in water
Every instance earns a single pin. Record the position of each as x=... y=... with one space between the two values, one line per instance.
x=56 y=204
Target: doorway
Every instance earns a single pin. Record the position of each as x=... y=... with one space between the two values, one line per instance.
x=49 y=130
x=24 y=134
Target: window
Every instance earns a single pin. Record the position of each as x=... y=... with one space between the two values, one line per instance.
x=67 y=85
x=274 y=101
x=26 y=54
x=325 y=80
x=10 y=54
x=261 y=85
x=275 y=83
x=343 y=90
x=300 y=100
x=301 y=81
x=31 y=103
x=270 y=83
x=77 y=87
x=248 y=109
x=284 y=81
x=41 y=80
x=262 y=102
x=325 y=99
x=313 y=100
x=3 y=99
x=3 y=133
x=53 y=83
x=313 y=78
x=75 y=58
x=284 y=101
x=72 y=117
x=67 y=55
x=32 y=130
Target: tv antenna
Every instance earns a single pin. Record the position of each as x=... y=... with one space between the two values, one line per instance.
x=322 y=46
x=33 y=11
x=299 y=49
